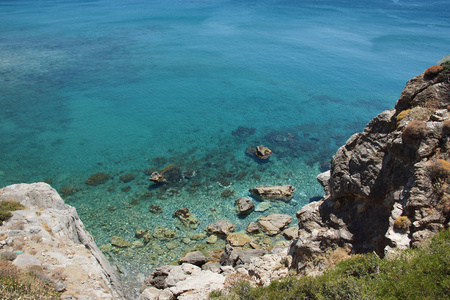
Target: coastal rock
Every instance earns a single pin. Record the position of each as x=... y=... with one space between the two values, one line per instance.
x=388 y=185
x=195 y=258
x=156 y=177
x=220 y=227
x=291 y=233
x=186 y=220
x=263 y=152
x=252 y=227
x=244 y=205
x=53 y=236
x=274 y=223
x=234 y=257
x=285 y=192
x=266 y=268
x=238 y=239
x=183 y=282
x=152 y=293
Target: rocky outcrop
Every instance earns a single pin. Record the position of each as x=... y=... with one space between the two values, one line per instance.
x=284 y=192
x=274 y=223
x=388 y=186
x=244 y=205
x=49 y=234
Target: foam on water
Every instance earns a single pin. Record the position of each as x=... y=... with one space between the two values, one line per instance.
x=123 y=86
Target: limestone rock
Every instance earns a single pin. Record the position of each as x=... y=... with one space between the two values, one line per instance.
x=268 y=267
x=244 y=205
x=284 y=192
x=183 y=282
x=220 y=227
x=53 y=236
x=274 y=223
x=385 y=183
x=195 y=258
x=238 y=239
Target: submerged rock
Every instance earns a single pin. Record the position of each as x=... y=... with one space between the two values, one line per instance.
x=97 y=179
x=172 y=173
x=186 y=219
x=164 y=234
x=125 y=178
x=120 y=242
x=284 y=192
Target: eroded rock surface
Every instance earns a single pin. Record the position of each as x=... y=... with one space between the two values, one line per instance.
x=388 y=186
x=48 y=233
x=284 y=192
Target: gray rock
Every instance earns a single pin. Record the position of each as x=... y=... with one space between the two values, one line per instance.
x=285 y=192
x=291 y=233
x=234 y=257
x=244 y=205
x=252 y=228
x=274 y=223
x=212 y=266
x=196 y=258
x=221 y=227
x=25 y=260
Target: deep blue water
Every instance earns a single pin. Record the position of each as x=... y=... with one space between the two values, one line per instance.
x=123 y=86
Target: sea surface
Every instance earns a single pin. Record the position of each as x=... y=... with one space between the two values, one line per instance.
x=132 y=86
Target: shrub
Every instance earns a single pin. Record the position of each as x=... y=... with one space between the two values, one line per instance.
x=402 y=115
x=414 y=130
x=402 y=223
x=432 y=71
x=6 y=207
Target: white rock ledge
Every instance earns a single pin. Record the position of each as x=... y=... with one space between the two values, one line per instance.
x=49 y=233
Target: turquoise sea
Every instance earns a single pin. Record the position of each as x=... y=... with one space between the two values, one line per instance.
x=131 y=86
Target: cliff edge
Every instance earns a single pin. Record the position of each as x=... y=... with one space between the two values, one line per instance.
x=388 y=187
x=48 y=235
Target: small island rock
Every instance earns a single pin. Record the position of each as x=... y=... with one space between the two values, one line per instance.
x=284 y=192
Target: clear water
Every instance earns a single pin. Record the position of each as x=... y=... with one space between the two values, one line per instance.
x=121 y=86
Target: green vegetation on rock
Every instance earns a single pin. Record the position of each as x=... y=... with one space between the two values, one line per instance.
x=6 y=207
x=421 y=273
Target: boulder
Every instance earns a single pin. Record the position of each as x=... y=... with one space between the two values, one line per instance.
x=284 y=192
x=274 y=223
x=238 y=239
x=220 y=227
x=252 y=227
x=263 y=152
x=195 y=258
x=244 y=205
x=156 y=177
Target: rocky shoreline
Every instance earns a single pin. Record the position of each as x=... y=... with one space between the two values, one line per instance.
x=388 y=188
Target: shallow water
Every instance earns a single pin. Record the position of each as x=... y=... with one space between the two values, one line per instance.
x=123 y=86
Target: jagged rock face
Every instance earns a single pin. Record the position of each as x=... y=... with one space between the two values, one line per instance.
x=398 y=167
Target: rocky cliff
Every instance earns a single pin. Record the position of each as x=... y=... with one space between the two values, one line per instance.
x=388 y=186
x=48 y=236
